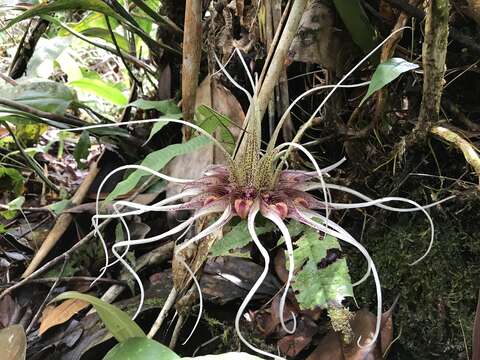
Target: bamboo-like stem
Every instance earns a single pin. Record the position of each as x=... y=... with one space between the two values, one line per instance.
x=278 y=60
x=62 y=223
x=192 y=53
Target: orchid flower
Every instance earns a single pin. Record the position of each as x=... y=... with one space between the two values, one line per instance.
x=253 y=182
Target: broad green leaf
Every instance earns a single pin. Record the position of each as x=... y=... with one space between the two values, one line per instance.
x=46 y=52
x=356 y=20
x=167 y=107
x=62 y=5
x=13 y=343
x=386 y=72
x=226 y=356
x=58 y=207
x=92 y=20
x=101 y=89
x=237 y=238
x=140 y=348
x=156 y=161
x=210 y=120
x=116 y=321
x=295 y=228
x=13 y=179
x=105 y=35
x=41 y=94
x=12 y=208
x=317 y=286
x=82 y=149
x=95 y=5
x=69 y=66
x=30 y=132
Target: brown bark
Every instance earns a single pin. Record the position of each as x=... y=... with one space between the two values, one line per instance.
x=433 y=56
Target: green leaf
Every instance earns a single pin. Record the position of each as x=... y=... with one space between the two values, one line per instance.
x=167 y=107
x=69 y=66
x=116 y=321
x=140 y=348
x=11 y=179
x=12 y=208
x=101 y=89
x=209 y=120
x=156 y=161
x=105 y=35
x=164 y=106
x=356 y=21
x=82 y=149
x=62 y=5
x=46 y=52
x=13 y=343
x=92 y=20
x=237 y=238
x=319 y=286
x=58 y=207
x=386 y=72
x=45 y=95
x=226 y=356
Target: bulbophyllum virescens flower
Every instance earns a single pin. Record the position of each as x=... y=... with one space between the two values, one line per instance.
x=254 y=183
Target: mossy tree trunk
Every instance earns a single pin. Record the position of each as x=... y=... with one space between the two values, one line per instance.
x=434 y=53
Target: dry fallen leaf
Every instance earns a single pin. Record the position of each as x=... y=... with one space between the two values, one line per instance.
x=56 y=315
x=13 y=343
x=331 y=346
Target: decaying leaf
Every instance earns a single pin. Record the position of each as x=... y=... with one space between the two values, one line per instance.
x=230 y=278
x=56 y=315
x=292 y=345
x=332 y=347
x=322 y=280
x=190 y=166
x=13 y=343
x=8 y=310
x=317 y=40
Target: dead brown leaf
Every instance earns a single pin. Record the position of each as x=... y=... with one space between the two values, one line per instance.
x=292 y=345
x=317 y=40
x=190 y=166
x=8 y=309
x=332 y=347
x=56 y=315
x=329 y=348
x=13 y=343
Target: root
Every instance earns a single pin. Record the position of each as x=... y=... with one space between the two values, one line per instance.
x=468 y=150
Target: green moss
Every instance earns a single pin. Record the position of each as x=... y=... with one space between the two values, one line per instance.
x=437 y=296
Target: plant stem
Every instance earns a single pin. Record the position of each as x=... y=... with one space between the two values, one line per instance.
x=433 y=57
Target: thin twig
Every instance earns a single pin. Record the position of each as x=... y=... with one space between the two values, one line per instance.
x=69 y=279
x=64 y=119
x=176 y=331
x=8 y=79
x=55 y=261
x=169 y=302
